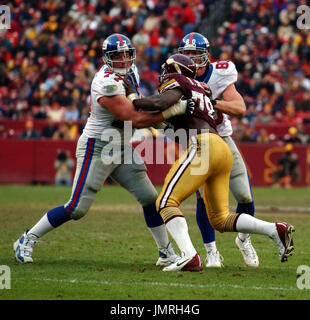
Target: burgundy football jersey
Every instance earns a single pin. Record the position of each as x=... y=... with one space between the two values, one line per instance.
x=191 y=89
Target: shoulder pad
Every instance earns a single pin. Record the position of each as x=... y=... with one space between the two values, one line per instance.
x=169 y=82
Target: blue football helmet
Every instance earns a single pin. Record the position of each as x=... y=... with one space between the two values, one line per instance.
x=196 y=41
x=118 y=43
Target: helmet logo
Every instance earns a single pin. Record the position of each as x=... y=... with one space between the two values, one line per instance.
x=122 y=45
x=191 y=44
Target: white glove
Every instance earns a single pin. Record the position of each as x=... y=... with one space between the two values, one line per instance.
x=175 y=110
x=162 y=125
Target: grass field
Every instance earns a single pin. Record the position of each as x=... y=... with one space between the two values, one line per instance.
x=110 y=255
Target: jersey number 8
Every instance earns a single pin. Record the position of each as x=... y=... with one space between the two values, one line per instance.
x=222 y=65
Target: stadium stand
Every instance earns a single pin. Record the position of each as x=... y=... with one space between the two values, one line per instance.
x=49 y=56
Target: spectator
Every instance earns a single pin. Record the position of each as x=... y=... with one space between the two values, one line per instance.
x=62 y=133
x=49 y=130
x=188 y=17
x=263 y=136
x=3 y=133
x=71 y=113
x=288 y=172
x=292 y=136
x=56 y=112
x=302 y=133
x=30 y=132
x=249 y=135
x=64 y=166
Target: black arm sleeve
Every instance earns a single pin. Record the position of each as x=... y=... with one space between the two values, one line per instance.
x=159 y=102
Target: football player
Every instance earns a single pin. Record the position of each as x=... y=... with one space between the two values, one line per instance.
x=207 y=162
x=109 y=108
x=220 y=78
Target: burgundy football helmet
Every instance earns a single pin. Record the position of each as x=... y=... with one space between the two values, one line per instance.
x=178 y=63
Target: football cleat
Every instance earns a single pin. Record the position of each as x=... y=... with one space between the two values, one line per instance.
x=283 y=237
x=214 y=259
x=248 y=252
x=23 y=248
x=167 y=256
x=186 y=263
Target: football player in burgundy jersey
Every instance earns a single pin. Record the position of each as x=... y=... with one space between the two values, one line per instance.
x=207 y=162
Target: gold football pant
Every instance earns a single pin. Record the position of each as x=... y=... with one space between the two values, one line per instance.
x=207 y=162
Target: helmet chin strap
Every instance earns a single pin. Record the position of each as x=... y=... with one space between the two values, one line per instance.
x=121 y=71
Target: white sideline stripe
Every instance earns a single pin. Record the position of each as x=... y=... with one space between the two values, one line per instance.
x=161 y=284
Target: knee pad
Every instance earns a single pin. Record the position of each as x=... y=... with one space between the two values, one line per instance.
x=144 y=190
x=244 y=197
x=79 y=207
x=78 y=214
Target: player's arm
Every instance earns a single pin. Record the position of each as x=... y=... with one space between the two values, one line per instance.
x=152 y=103
x=159 y=101
x=124 y=110
x=232 y=102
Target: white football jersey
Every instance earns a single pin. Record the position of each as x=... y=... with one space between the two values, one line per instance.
x=219 y=76
x=99 y=124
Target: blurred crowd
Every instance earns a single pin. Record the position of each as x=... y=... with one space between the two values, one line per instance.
x=53 y=49
x=272 y=57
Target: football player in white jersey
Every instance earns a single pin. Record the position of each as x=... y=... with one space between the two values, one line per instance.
x=109 y=109
x=220 y=78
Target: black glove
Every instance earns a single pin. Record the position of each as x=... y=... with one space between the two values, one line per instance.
x=207 y=89
x=128 y=87
x=214 y=101
x=190 y=107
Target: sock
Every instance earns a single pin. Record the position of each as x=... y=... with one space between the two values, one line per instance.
x=42 y=227
x=52 y=219
x=156 y=225
x=243 y=236
x=160 y=236
x=211 y=246
x=206 y=230
x=249 y=224
x=178 y=229
x=58 y=216
x=247 y=208
x=152 y=217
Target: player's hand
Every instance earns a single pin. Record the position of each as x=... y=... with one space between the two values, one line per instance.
x=190 y=107
x=128 y=86
x=207 y=89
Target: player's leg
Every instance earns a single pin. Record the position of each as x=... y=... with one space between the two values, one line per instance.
x=134 y=178
x=241 y=189
x=216 y=201
x=180 y=182
x=213 y=257
x=89 y=177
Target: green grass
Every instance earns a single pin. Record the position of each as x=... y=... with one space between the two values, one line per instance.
x=110 y=255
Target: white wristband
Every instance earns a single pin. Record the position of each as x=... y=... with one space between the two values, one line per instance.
x=176 y=109
x=132 y=97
